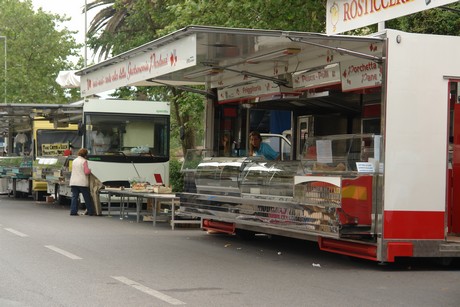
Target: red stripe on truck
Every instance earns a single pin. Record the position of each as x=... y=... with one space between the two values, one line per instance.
x=413 y=225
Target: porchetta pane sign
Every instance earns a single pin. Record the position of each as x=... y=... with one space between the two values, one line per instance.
x=345 y=15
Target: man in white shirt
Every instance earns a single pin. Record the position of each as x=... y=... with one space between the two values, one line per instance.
x=19 y=141
x=101 y=143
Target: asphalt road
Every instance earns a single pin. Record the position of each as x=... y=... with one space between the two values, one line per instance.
x=49 y=258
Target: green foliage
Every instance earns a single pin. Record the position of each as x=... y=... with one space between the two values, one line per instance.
x=188 y=111
x=125 y=24
x=176 y=178
x=36 y=52
x=435 y=21
x=294 y=15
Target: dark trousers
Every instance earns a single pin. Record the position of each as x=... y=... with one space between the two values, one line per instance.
x=76 y=190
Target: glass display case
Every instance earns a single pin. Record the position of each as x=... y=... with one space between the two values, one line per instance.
x=248 y=177
x=219 y=175
x=50 y=168
x=245 y=176
x=192 y=158
x=358 y=153
x=340 y=173
x=262 y=178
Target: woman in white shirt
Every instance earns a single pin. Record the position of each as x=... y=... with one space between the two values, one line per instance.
x=79 y=183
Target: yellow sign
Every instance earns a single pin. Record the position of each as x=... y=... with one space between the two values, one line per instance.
x=54 y=149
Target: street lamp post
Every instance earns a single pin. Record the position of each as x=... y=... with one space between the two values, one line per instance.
x=4 y=38
x=86 y=34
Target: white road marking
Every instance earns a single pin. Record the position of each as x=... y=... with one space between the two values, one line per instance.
x=18 y=233
x=63 y=252
x=149 y=291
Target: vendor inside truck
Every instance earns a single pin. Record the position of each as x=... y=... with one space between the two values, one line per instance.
x=258 y=148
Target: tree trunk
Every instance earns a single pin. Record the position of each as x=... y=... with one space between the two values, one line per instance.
x=182 y=119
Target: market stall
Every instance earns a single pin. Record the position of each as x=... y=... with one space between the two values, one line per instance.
x=359 y=116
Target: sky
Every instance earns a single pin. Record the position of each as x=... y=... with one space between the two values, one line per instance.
x=72 y=9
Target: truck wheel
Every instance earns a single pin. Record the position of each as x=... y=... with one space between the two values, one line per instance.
x=444 y=261
x=245 y=234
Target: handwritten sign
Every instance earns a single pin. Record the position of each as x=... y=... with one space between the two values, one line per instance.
x=360 y=74
x=328 y=75
x=324 y=151
x=365 y=167
x=160 y=61
x=54 y=149
x=254 y=89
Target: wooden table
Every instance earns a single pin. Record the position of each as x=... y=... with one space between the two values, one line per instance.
x=170 y=199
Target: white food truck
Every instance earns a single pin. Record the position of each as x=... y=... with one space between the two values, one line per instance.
x=375 y=132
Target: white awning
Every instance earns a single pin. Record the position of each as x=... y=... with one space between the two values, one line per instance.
x=223 y=57
x=68 y=79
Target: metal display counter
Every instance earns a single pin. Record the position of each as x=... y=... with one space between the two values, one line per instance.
x=170 y=200
x=329 y=191
x=17 y=172
x=55 y=171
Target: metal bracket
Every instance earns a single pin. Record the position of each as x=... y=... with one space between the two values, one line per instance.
x=374 y=58
x=255 y=75
x=186 y=88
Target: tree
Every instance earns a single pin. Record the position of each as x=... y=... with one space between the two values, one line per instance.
x=109 y=19
x=36 y=52
x=293 y=15
x=441 y=20
x=124 y=24
x=188 y=109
